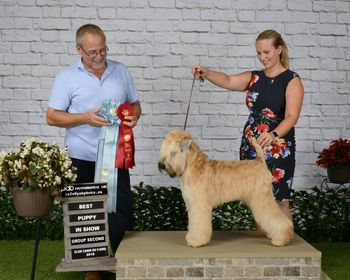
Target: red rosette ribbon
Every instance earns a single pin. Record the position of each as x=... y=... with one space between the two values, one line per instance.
x=126 y=146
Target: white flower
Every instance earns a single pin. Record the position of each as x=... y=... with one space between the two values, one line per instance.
x=36 y=165
x=58 y=180
x=38 y=151
x=17 y=165
x=2 y=155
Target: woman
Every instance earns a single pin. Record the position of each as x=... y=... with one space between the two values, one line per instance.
x=274 y=99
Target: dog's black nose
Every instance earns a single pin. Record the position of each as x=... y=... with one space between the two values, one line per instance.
x=161 y=166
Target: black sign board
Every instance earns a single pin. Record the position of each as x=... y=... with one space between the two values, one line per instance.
x=87 y=239
x=85 y=205
x=87 y=228
x=89 y=252
x=85 y=221
x=86 y=217
x=84 y=189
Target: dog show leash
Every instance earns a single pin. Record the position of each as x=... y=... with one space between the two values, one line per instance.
x=189 y=100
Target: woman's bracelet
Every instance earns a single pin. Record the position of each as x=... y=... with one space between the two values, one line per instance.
x=274 y=135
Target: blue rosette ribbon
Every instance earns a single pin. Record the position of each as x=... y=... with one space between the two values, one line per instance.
x=105 y=170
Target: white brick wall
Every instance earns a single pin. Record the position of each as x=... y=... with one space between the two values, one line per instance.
x=159 y=40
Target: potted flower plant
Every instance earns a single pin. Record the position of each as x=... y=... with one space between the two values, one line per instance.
x=33 y=173
x=336 y=158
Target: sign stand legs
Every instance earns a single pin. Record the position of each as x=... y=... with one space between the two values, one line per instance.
x=36 y=246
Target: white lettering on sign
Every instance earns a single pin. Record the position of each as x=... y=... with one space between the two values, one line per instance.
x=89 y=250
x=85 y=206
x=87 y=217
x=96 y=238
x=91 y=228
x=78 y=240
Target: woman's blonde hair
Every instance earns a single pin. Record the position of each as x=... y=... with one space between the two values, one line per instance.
x=90 y=29
x=276 y=41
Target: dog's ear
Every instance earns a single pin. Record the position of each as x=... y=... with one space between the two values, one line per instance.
x=185 y=145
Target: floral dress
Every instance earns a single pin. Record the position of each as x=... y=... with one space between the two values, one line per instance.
x=266 y=102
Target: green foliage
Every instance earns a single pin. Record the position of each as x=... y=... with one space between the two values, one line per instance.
x=319 y=215
x=158 y=208
x=163 y=208
x=16 y=227
x=233 y=215
x=322 y=215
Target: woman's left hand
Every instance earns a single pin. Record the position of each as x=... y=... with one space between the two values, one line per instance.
x=266 y=139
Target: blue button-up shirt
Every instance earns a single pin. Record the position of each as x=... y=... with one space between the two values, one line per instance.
x=76 y=90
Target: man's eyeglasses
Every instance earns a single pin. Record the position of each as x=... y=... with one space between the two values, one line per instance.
x=93 y=54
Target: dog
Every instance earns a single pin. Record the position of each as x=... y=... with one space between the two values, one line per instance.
x=207 y=183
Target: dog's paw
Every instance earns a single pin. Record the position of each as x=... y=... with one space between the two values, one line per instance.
x=282 y=240
x=193 y=241
x=278 y=242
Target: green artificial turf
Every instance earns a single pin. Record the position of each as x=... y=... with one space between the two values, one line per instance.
x=335 y=259
x=16 y=260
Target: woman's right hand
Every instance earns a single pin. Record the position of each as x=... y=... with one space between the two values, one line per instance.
x=199 y=71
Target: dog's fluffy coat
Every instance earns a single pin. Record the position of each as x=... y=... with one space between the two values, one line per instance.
x=207 y=183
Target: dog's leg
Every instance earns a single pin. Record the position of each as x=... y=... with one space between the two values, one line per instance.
x=199 y=223
x=271 y=219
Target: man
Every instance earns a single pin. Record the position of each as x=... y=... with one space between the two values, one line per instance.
x=76 y=97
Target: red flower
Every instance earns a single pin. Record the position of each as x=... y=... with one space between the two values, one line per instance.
x=336 y=155
x=268 y=113
x=253 y=80
x=276 y=150
x=262 y=128
x=277 y=175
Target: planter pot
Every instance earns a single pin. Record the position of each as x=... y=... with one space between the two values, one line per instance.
x=339 y=175
x=32 y=204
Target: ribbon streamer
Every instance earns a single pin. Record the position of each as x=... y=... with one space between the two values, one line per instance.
x=105 y=170
x=126 y=146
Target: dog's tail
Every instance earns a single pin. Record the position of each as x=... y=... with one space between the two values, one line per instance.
x=258 y=149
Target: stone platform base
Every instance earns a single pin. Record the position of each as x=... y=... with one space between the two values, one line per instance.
x=230 y=255
x=97 y=264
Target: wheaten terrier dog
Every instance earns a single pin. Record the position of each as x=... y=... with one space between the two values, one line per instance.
x=207 y=183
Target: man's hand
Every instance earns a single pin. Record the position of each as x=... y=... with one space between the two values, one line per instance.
x=93 y=119
x=130 y=121
x=64 y=119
